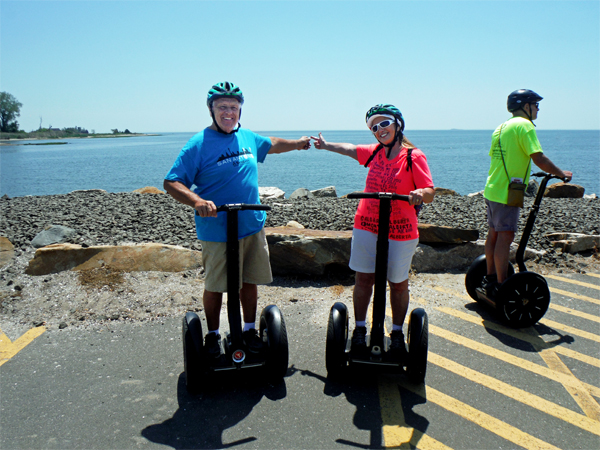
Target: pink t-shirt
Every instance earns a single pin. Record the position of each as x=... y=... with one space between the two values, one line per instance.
x=392 y=176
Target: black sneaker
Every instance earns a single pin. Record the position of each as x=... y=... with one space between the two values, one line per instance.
x=212 y=345
x=397 y=345
x=359 y=339
x=490 y=285
x=253 y=343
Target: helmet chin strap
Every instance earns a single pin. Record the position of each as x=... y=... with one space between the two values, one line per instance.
x=219 y=129
x=397 y=137
x=528 y=114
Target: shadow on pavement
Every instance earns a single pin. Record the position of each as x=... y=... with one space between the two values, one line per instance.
x=201 y=419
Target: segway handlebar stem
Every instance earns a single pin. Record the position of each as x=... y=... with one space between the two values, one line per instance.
x=381 y=260
x=233 y=267
x=520 y=255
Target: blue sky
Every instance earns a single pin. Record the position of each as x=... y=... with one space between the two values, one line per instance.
x=302 y=65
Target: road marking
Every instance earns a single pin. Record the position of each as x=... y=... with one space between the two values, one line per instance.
x=571 y=330
x=578 y=391
x=593 y=275
x=551 y=305
x=549 y=323
x=482 y=419
x=396 y=433
x=521 y=336
x=573 y=295
x=8 y=349
x=578 y=283
x=511 y=359
x=519 y=395
x=574 y=312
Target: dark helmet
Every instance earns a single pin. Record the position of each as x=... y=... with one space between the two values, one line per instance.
x=224 y=90
x=521 y=97
x=387 y=111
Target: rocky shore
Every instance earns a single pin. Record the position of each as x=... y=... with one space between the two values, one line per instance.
x=101 y=218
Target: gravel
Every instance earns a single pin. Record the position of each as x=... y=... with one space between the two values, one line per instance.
x=100 y=218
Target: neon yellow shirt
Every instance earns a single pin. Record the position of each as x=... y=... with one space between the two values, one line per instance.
x=518 y=141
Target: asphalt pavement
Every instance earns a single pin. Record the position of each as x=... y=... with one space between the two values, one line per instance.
x=121 y=385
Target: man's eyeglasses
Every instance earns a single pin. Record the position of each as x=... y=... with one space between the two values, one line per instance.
x=537 y=105
x=383 y=124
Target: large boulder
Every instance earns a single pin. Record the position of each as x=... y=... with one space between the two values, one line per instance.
x=148 y=190
x=444 y=191
x=266 y=193
x=564 y=190
x=574 y=242
x=328 y=191
x=301 y=193
x=435 y=234
x=53 y=234
x=7 y=251
x=296 y=251
x=128 y=258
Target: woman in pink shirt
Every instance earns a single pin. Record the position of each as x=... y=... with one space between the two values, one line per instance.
x=396 y=166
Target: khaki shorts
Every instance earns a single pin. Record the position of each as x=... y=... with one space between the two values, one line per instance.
x=255 y=267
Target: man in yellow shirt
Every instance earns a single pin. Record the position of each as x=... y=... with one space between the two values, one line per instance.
x=514 y=146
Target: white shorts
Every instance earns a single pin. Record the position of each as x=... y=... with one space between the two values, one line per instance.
x=363 y=254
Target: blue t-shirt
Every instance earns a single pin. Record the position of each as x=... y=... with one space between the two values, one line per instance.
x=223 y=169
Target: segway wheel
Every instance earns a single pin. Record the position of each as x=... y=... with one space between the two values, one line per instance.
x=418 y=340
x=194 y=364
x=272 y=328
x=337 y=337
x=524 y=299
x=475 y=274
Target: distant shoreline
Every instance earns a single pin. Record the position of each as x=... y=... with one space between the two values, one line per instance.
x=18 y=141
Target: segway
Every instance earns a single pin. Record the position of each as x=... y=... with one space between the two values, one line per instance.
x=274 y=356
x=524 y=297
x=338 y=355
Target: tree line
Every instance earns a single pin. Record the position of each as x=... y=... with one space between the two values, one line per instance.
x=10 y=109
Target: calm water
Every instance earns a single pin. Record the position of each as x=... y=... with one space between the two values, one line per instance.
x=458 y=160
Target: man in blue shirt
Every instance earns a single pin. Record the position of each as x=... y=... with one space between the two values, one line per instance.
x=221 y=162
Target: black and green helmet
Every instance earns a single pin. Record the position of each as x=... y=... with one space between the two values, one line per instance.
x=224 y=90
x=387 y=111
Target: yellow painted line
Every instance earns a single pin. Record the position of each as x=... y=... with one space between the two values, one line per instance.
x=551 y=306
x=580 y=394
x=569 y=280
x=519 y=395
x=574 y=312
x=573 y=295
x=521 y=336
x=593 y=275
x=550 y=323
x=511 y=359
x=9 y=349
x=570 y=330
x=396 y=433
x=490 y=423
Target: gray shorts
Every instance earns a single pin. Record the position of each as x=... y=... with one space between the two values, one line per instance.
x=255 y=267
x=364 y=253
x=501 y=217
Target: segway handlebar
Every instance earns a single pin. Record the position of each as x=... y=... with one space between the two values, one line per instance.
x=378 y=195
x=549 y=175
x=242 y=207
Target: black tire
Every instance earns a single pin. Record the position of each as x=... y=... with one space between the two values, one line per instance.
x=194 y=364
x=272 y=326
x=523 y=299
x=337 y=337
x=475 y=274
x=418 y=342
